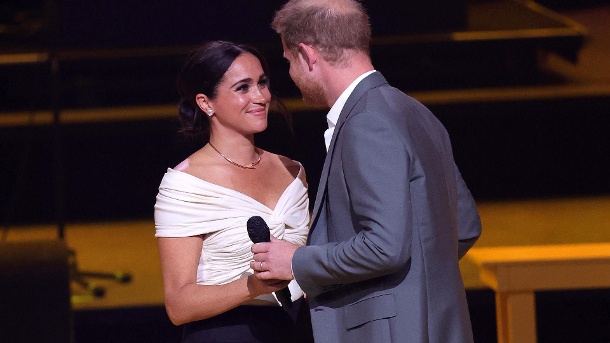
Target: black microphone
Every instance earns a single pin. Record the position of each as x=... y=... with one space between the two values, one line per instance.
x=259 y=232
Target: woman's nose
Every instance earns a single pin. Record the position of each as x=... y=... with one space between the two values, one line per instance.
x=258 y=96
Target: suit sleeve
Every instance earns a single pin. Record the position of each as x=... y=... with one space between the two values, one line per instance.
x=375 y=165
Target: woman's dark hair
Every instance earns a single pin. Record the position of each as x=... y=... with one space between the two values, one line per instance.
x=202 y=72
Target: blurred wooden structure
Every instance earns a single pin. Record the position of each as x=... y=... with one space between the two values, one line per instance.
x=516 y=272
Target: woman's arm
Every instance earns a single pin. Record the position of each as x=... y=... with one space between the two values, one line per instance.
x=185 y=300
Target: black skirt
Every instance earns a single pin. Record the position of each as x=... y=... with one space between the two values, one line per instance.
x=253 y=324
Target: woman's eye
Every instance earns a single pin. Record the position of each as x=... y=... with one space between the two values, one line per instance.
x=263 y=83
x=242 y=88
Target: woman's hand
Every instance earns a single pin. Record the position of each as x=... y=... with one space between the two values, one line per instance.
x=259 y=287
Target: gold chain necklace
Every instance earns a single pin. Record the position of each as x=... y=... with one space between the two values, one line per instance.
x=247 y=166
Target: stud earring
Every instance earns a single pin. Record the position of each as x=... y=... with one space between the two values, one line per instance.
x=210 y=112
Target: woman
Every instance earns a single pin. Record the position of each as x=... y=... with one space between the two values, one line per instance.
x=205 y=201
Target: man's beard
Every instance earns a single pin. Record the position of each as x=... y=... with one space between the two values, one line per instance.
x=312 y=93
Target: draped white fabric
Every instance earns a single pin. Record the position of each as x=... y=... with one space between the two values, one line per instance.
x=189 y=206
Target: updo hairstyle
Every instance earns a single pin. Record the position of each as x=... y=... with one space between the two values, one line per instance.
x=202 y=72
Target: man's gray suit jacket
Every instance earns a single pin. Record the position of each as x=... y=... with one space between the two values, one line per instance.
x=391 y=219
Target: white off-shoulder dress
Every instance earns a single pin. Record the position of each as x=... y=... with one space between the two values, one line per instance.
x=189 y=206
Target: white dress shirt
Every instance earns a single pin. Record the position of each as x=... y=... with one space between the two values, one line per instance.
x=335 y=111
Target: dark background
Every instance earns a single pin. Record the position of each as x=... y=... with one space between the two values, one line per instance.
x=118 y=53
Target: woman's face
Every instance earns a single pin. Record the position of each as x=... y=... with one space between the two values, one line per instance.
x=243 y=97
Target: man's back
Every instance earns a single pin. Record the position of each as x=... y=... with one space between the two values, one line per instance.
x=391 y=208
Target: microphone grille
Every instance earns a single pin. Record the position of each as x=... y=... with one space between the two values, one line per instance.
x=258 y=230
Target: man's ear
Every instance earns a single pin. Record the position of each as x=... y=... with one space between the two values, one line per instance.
x=309 y=53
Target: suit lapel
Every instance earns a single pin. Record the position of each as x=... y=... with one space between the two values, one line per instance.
x=369 y=82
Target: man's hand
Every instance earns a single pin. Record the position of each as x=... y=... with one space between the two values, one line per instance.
x=273 y=260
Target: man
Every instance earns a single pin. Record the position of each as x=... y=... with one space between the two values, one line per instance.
x=392 y=215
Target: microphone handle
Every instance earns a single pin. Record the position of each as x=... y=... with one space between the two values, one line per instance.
x=258 y=231
x=283 y=296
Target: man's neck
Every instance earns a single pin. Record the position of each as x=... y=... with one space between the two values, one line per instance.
x=338 y=79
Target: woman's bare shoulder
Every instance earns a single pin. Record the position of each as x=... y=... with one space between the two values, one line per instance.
x=292 y=166
x=183 y=166
x=198 y=164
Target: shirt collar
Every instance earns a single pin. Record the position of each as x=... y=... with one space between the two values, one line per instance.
x=333 y=115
